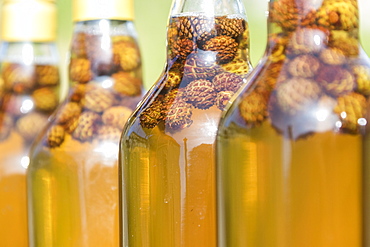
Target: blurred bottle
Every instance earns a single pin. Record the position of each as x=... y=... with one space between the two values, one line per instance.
x=290 y=155
x=29 y=93
x=73 y=174
x=167 y=148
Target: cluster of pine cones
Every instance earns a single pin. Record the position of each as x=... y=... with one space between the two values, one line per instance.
x=314 y=63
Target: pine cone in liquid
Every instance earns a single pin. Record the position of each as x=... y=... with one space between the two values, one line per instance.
x=179 y=116
x=173 y=80
x=80 y=70
x=195 y=27
x=126 y=84
x=78 y=47
x=151 y=116
x=182 y=48
x=17 y=105
x=332 y=56
x=253 y=108
x=98 y=100
x=237 y=66
x=287 y=13
x=45 y=99
x=19 y=78
x=55 y=136
x=30 y=125
x=335 y=80
x=345 y=42
x=362 y=78
x=307 y=40
x=305 y=66
x=116 y=116
x=227 y=82
x=201 y=94
x=109 y=133
x=87 y=126
x=127 y=55
x=67 y=112
x=47 y=75
x=225 y=46
x=201 y=66
x=223 y=98
x=232 y=27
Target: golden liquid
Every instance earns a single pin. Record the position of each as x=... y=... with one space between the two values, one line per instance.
x=74 y=198
x=278 y=192
x=170 y=185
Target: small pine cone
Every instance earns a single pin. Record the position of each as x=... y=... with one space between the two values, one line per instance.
x=68 y=112
x=171 y=98
x=305 y=66
x=127 y=54
x=55 y=136
x=6 y=125
x=271 y=75
x=71 y=124
x=179 y=116
x=45 y=99
x=182 y=48
x=30 y=125
x=195 y=27
x=116 y=116
x=232 y=27
x=109 y=133
x=345 y=42
x=78 y=47
x=227 y=82
x=79 y=70
x=98 y=100
x=173 y=80
x=362 y=78
x=350 y=109
x=47 y=75
x=297 y=94
x=277 y=44
x=223 y=98
x=338 y=15
x=332 y=56
x=244 y=40
x=126 y=84
x=336 y=80
x=225 y=46
x=201 y=94
x=253 y=108
x=19 y=78
x=201 y=65
x=307 y=40
x=238 y=66
x=87 y=126
x=287 y=13
x=152 y=115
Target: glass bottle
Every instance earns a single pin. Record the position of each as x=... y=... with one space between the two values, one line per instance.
x=29 y=93
x=73 y=174
x=167 y=147
x=289 y=147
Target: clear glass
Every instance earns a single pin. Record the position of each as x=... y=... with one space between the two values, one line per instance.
x=73 y=174
x=29 y=93
x=290 y=146
x=167 y=147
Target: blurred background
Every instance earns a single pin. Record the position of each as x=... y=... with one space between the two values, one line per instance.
x=151 y=19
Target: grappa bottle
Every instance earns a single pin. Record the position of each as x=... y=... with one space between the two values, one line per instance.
x=289 y=148
x=167 y=147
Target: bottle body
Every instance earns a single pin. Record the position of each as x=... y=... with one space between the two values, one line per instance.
x=167 y=147
x=73 y=174
x=290 y=147
x=30 y=93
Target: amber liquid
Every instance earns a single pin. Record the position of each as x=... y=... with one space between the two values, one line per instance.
x=73 y=191
x=279 y=192
x=170 y=185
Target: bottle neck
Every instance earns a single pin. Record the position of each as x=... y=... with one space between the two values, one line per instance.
x=208 y=7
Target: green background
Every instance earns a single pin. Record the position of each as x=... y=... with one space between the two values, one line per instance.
x=151 y=18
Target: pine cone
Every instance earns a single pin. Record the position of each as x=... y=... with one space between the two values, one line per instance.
x=350 y=109
x=307 y=40
x=87 y=126
x=277 y=44
x=173 y=80
x=201 y=94
x=336 y=80
x=6 y=125
x=345 y=42
x=182 y=48
x=225 y=46
x=232 y=27
x=179 y=116
x=362 y=78
x=45 y=99
x=227 y=82
x=151 y=116
x=253 y=108
x=109 y=133
x=201 y=66
x=126 y=84
x=68 y=112
x=30 y=125
x=195 y=27
x=338 y=15
x=47 y=75
x=287 y=13
x=305 y=66
x=19 y=78
x=116 y=116
x=127 y=55
x=78 y=47
x=17 y=105
x=297 y=94
x=333 y=56
x=98 y=100
x=223 y=98
x=55 y=136
x=79 y=70
x=237 y=66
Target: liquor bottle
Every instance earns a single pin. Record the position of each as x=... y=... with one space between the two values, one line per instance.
x=289 y=147
x=73 y=173
x=29 y=93
x=167 y=147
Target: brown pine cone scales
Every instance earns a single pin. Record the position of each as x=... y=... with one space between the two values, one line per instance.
x=68 y=112
x=182 y=47
x=80 y=70
x=127 y=84
x=225 y=46
x=78 y=47
x=201 y=66
x=179 y=116
x=116 y=116
x=195 y=27
x=55 y=136
x=45 y=99
x=297 y=94
x=127 y=54
x=351 y=108
x=227 y=82
x=19 y=78
x=201 y=94
x=47 y=75
x=173 y=80
x=304 y=66
x=237 y=66
x=87 y=125
x=151 y=116
x=253 y=108
x=332 y=56
x=223 y=98
x=98 y=100
x=362 y=78
x=344 y=41
x=109 y=133
x=30 y=125
x=232 y=27
x=285 y=13
x=336 y=80
x=307 y=40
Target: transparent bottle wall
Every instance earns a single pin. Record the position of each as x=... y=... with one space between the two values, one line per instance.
x=167 y=147
x=73 y=175
x=29 y=93
x=290 y=155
